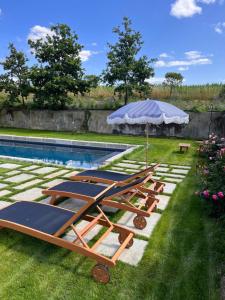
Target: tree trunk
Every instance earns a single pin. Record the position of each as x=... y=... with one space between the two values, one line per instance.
x=171 y=91
x=23 y=101
x=126 y=96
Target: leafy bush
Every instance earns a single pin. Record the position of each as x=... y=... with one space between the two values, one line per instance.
x=212 y=175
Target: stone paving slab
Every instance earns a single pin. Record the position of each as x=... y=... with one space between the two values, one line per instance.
x=131 y=170
x=117 y=172
x=20 y=178
x=131 y=256
x=127 y=221
x=4 y=193
x=126 y=165
x=11 y=173
x=179 y=171
x=170 y=175
x=162 y=169
x=180 y=167
x=163 y=201
x=27 y=184
x=131 y=161
x=3 y=185
x=56 y=174
x=72 y=173
x=52 y=183
x=9 y=166
x=141 y=162
x=169 y=187
x=44 y=170
x=28 y=195
x=4 y=204
x=178 y=180
x=117 y=168
x=71 y=236
x=29 y=168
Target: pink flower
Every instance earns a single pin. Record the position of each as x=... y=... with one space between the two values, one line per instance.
x=206 y=194
x=220 y=195
x=222 y=139
x=214 y=197
x=205 y=171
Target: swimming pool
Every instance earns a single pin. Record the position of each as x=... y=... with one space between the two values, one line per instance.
x=72 y=155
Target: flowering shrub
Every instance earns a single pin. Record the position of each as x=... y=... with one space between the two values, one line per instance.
x=212 y=175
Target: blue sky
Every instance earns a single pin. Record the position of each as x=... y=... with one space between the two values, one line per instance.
x=187 y=36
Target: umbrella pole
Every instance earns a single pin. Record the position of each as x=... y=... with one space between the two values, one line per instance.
x=146 y=147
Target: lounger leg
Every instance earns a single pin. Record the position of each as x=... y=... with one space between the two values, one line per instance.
x=53 y=200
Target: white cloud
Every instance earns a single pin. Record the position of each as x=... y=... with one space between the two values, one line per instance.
x=219 y=27
x=189 y=8
x=191 y=58
x=0 y=11
x=207 y=1
x=183 y=68
x=86 y=54
x=94 y=44
x=164 y=55
x=185 y=8
x=39 y=32
x=193 y=54
x=155 y=80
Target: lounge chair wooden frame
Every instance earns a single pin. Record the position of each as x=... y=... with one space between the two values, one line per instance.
x=100 y=271
x=156 y=187
x=121 y=200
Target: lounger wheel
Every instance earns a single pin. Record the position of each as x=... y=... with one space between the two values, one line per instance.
x=139 y=222
x=122 y=238
x=101 y=273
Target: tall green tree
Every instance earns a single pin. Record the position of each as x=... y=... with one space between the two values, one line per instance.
x=59 y=70
x=15 y=80
x=173 y=79
x=124 y=70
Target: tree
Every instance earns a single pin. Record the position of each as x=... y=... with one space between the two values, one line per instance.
x=124 y=70
x=15 y=80
x=59 y=71
x=92 y=81
x=173 y=79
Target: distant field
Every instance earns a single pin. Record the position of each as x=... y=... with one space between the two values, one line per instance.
x=194 y=97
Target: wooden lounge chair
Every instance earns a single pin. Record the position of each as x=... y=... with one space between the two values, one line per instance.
x=50 y=223
x=107 y=177
x=120 y=197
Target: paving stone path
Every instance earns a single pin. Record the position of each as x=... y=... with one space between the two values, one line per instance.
x=25 y=181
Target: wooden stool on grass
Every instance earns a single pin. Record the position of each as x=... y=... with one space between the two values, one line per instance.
x=184 y=147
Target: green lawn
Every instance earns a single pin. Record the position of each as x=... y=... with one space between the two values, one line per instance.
x=182 y=259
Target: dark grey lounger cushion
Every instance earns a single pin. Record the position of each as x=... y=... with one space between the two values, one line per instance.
x=45 y=218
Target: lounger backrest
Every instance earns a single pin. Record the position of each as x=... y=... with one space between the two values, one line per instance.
x=116 y=190
x=143 y=172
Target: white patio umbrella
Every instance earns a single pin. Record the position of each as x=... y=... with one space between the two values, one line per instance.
x=148 y=112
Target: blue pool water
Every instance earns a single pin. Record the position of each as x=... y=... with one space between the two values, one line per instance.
x=72 y=156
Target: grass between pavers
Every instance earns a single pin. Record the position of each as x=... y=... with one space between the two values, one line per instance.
x=181 y=260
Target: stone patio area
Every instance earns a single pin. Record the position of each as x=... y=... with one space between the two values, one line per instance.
x=25 y=181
